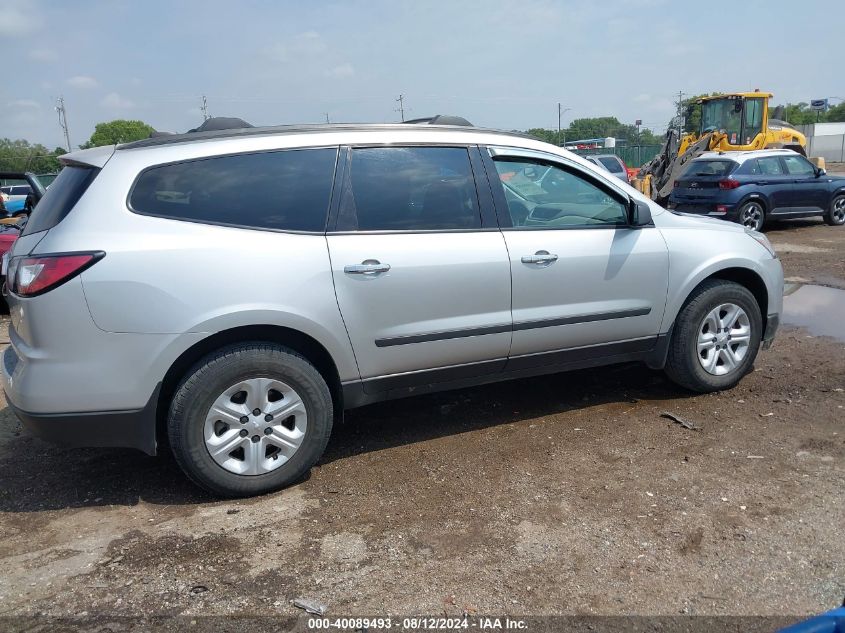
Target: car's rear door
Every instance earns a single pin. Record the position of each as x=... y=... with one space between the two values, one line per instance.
x=585 y=283
x=773 y=183
x=421 y=272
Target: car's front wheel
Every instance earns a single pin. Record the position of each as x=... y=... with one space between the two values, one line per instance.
x=249 y=419
x=752 y=215
x=836 y=214
x=716 y=337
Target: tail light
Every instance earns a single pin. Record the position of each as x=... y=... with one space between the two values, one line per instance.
x=728 y=183
x=35 y=275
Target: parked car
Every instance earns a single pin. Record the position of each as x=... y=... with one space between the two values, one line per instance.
x=245 y=287
x=22 y=194
x=754 y=187
x=611 y=163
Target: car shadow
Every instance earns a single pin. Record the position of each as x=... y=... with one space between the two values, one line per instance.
x=36 y=476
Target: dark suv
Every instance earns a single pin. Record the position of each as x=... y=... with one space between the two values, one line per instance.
x=753 y=187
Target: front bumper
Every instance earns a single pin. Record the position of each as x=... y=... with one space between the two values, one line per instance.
x=772 y=324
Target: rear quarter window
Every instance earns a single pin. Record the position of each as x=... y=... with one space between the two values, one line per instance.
x=710 y=168
x=287 y=190
x=60 y=198
x=612 y=165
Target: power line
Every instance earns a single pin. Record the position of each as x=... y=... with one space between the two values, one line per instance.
x=60 y=109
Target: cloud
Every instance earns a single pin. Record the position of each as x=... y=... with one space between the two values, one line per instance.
x=642 y=98
x=26 y=104
x=342 y=71
x=114 y=100
x=307 y=43
x=15 y=21
x=82 y=81
x=43 y=55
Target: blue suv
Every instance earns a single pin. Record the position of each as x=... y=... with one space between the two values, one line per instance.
x=753 y=187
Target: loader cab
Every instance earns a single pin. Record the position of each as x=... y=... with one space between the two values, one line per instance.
x=741 y=118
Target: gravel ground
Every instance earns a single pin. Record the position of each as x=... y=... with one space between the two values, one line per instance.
x=566 y=494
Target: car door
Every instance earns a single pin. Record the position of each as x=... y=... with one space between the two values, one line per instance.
x=583 y=279
x=807 y=192
x=422 y=279
x=774 y=183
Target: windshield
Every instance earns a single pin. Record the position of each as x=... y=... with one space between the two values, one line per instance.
x=722 y=115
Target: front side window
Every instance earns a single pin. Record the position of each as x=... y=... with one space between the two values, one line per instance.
x=798 y=166
x=286 y=190
x=546 y=196
x=769 y=166
x=409 y=189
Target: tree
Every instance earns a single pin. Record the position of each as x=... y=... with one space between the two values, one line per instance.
x=598 y=127
x=20 y=155
x=836 y=114
x=118 y=131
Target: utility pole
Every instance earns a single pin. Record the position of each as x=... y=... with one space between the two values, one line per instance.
x=560 y=113
x=60 y=108
x=680 y=114
x=327 y=118
x=401 y=102
x=204 y=109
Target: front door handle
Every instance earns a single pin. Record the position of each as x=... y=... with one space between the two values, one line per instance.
x=540 y=257
x=367 y=267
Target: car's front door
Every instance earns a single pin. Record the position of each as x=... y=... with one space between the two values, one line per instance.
x=807 y=192
x=584 y=281
x=421 y=273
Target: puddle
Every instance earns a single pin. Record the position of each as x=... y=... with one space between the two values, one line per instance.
x=819 y=309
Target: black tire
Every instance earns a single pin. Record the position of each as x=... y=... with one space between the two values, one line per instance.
x=756 y=211
x=214 y=374
x=835 y=215
x=682 y=362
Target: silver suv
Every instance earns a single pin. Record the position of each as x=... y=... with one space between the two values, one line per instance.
x=237 y=290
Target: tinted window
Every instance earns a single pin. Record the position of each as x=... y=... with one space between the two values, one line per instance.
x=65 y=192
x=544 y=196
x=770 y=166
x=287 y=190
x=20 y=190
x=409 y=188
x=710 y=168
x=798 y=166
x=612 y=164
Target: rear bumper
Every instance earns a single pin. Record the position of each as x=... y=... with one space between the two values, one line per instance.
x=723 y=210
x=117 y=429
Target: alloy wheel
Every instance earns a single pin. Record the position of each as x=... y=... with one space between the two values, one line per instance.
x=751 y=216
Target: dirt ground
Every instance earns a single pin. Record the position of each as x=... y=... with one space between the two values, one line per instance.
x=566 y=494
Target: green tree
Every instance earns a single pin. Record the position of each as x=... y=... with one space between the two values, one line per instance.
x=20 y=155
x=836 y=114
x=598 y=127
x=118 y=131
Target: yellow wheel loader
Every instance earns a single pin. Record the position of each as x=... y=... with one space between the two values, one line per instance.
x=729 y=122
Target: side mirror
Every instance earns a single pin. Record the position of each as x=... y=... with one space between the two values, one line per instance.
x=640 y=213
x=820 y=172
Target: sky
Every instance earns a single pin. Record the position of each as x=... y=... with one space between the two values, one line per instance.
x=499 y=63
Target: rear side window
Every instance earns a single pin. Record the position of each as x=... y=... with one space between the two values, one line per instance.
x=710 y=168
x=286 y=190
x=612 y=165
x=409 y=189
x=60 y=198
x=769 y=166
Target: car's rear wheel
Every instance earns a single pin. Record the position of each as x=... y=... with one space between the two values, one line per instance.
x=249 y=419
x=835 y=216
x=752 y=215
x=716 y=337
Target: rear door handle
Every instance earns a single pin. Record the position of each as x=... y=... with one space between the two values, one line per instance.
x=540 y=257
x=367 y=267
